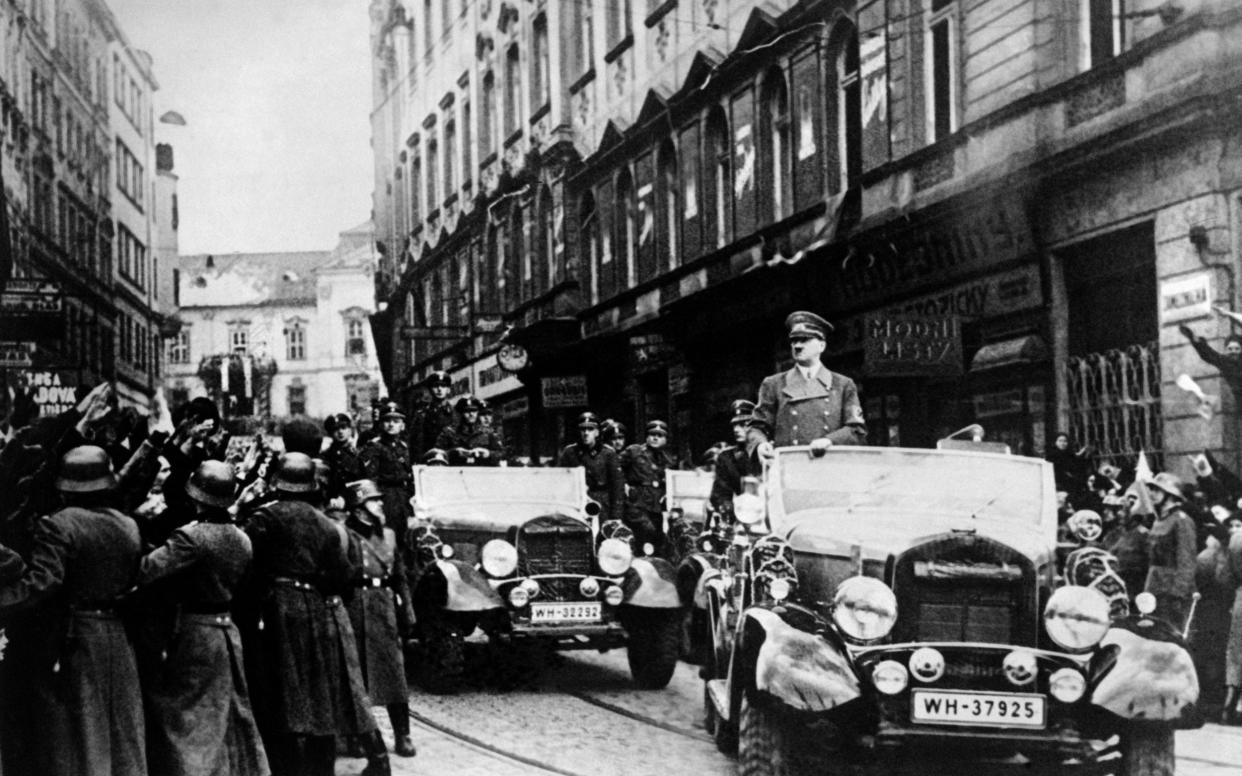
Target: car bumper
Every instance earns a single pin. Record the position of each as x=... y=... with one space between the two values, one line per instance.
x=604 y=635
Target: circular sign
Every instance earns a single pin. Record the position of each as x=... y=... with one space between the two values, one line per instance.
x=512 y=358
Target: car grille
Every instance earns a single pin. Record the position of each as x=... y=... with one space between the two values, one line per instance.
x=555 y=544
x=965 y=588
x=559 y=589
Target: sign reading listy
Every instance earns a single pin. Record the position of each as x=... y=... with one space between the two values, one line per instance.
x=912 y=345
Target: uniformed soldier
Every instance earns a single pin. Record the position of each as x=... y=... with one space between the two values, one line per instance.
x=341 y=456
x=386 y=460
x=380 y=610
x=469 y=443
x=643 y=466
x=809 y=404
x=614 y=433
x=435 y=416
x=738 y=460
x=605 y=483
x=487 y=419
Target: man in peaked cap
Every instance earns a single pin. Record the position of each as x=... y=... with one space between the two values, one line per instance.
x=605 y=484
x=470 y=443
x=342 y=456
x=808 y=404
x=386 y=460
x=643 y=466
x=737 y=460
x=435 y=416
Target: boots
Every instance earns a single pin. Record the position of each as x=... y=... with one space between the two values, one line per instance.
x=399 y=715
x=377 y=756
x=1230 y=715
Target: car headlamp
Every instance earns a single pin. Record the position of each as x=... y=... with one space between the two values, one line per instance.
x=1077 y=618
x=532 y=588
x=446 y=550
x=864 y=608
x=499 y=558
x=1020 y=667
x=779 y=589
x=890 y=677
x=1067 y=685
x=927 y=664
x=518 y=597
x=614 y=595
x=614 y=557
x=747 y=508
x=588 y=587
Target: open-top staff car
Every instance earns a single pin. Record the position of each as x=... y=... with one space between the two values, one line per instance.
x=902 y=611
x=517 y=553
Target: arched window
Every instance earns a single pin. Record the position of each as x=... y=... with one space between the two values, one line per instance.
x=776 y=160
x=513 y=90
x=719 y=180
x=624 y=226
x=546 y=272
x=588 y=245
x=433 y=165
x=849 y=105
x=669 y=202
x=516 y=266
x=487 y=118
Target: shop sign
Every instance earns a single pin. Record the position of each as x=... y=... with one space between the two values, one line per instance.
x=564 y=392
x=54 y=391
x=912 y=345
x=16 y=354
x=990 y=405
x=1186 y=297
x=516 y=408
x=492 y=380
x=31 y=297
x=1000 y=294
x=649 y=352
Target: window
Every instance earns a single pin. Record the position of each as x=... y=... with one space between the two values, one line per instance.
x=668 y=203
x=544 y=253
x=239 y=340
x=941 y=70
x=416 y=191
x=1103 y=30
x=777 y=146
x=513 y=90
x=849 y=108
x=720 y=180
x=179 y=348
x=618 y=21
x=132 y=257
x=588 y=243
x=355 y=338
x=584 y=46
x=450 y=156
x=428 y=36
x=297 y=399
x=487 y=121
x=433 y=163
x=624 y=239
x=446 y=15
x=295 y=342
x=540 y=88
x=130 y=178
x=517 y=269
x=466 y=175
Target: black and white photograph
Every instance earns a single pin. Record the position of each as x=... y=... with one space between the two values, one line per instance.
x=620 y=387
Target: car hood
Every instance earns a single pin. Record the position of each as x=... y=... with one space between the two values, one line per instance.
x=496 y=516
x=878 y=535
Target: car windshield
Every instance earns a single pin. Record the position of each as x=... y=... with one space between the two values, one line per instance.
x=450 y=484
x=895 y=481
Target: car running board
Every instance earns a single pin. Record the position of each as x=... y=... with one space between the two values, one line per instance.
x=718 y=693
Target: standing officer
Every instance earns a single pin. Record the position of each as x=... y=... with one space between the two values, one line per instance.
x=613 y=433
x=341 y=456
x=433 y=418
x=644 y=466
x=738 y=460
x=605 y=483
x=86 y=704
x=380 y=610
x=809 y=404
x=386 y=460
x=469 y=443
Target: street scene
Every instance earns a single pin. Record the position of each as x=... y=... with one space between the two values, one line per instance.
x=596 y=387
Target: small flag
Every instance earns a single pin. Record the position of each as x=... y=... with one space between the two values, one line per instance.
x=1203 y=467
x=1207 y=402
x=1230 y=314
x=1142 y=475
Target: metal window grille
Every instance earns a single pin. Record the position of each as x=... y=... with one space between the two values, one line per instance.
x=1114 y=403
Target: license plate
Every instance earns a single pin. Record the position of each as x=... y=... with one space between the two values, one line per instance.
x=565 y=612
x=997 y=709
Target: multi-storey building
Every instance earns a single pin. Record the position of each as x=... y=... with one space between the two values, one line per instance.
x=269 y=335
x=1007 y=206
x=77 y=142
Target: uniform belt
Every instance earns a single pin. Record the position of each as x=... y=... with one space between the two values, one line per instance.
x=372 y=582
x=206 y=607
x=300 y=584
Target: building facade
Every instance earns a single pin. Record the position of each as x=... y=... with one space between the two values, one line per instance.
x=81 y=303
x=1007 y=206
x=271 y=335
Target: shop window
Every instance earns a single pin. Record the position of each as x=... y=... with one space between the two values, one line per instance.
x=941 y=70
x=720 y=180
x=1103 y=30
x=849 y=108
x=883 y=414
x=776 y=161
x=669 y=204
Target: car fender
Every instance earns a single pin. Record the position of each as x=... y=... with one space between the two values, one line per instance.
x=692 y=577
x=1152 y=676
x=454 y=586
x=794 y=660
x=651 y=583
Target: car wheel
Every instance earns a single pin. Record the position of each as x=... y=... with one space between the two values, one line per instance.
x=653 y=648
x=769 y=746
x=694 y=645
x=444 y=660
x=724 y=736
x=1147 y=749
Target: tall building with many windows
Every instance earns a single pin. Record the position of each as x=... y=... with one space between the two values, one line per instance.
x=1008 y=207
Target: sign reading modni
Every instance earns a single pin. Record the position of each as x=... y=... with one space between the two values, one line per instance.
x=912 y=345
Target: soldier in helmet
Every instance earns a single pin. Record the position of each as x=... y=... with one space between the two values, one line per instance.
x=1172 y=546
x=605 y=483
x=436 y=416
x=643 y=466
x=613 y=433
x=380 y=610
x=739 y=459
x=341 y=456
x=386 y=460
x=198 y=703
x=85 y=699
x=469 y=443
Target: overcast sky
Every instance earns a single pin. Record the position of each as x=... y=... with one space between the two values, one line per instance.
x=277 y=95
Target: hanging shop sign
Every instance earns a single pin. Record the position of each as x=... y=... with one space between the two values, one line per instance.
x=16 y=354
x=53 y=390
x=912 y=346
x=564 y=392
x=1186 y=297
x=650 y=352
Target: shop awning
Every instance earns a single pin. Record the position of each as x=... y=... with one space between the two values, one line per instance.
x=1029 y=349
